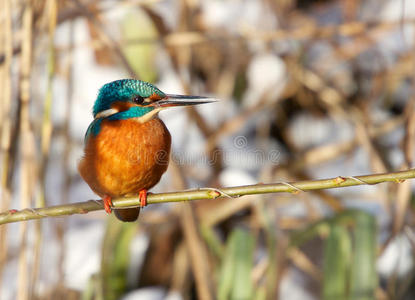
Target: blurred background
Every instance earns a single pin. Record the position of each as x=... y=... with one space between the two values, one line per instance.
x=307 y=89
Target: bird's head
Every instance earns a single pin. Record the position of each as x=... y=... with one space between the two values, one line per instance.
x=129 y=98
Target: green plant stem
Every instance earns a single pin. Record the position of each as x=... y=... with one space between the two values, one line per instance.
x=205 y=193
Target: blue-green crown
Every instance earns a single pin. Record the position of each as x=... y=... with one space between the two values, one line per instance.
x=123 y=90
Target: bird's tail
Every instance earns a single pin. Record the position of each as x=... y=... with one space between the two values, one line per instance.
x=127 y=215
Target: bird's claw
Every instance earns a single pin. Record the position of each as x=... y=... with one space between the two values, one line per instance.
x=107 y=204
x=142 y=195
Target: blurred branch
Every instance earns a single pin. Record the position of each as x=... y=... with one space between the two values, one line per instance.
x=105 y=37
x=179 y=39
x=351 y=30
x=206 y=193
x=6 y=130
x=27 y=148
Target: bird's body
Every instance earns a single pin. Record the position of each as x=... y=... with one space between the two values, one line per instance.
x=126 y=157
x=127 y=146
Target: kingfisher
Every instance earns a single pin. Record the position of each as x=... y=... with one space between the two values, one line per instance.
x=127 y=146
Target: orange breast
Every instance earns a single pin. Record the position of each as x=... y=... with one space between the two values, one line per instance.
x=125 y=157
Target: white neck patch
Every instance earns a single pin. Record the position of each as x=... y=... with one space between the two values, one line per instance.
x=106 y=113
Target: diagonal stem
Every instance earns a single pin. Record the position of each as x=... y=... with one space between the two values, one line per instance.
x=206 y=193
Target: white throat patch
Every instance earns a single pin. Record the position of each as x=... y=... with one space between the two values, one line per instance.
x=148 y=116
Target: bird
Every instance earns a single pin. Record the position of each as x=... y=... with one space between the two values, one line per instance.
x=127 y=146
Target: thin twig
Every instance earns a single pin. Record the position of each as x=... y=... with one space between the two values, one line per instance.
x=27 y=154
x=5 y=128
x=199 y=194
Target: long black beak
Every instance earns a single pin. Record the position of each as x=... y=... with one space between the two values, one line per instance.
x=182 y=100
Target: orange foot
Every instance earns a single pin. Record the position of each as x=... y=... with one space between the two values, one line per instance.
x=142 y=195
x=107 y=204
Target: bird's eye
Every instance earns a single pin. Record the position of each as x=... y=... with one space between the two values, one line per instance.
x=138 y=100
